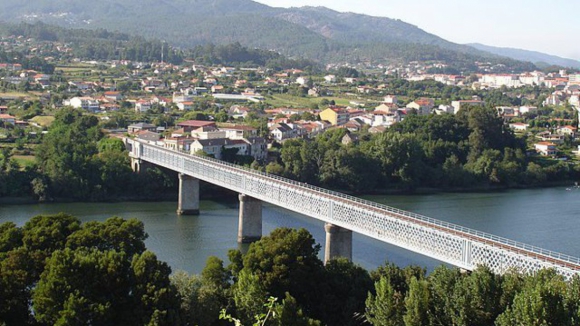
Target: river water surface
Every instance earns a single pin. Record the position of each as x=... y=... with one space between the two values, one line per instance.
x=548 y=218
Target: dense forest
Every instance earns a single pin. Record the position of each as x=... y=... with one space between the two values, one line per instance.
x=55 y=270
x=101 y=44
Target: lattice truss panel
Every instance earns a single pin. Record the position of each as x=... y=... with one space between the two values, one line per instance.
x=463 y=250
x=501 y=260
x=415 y=237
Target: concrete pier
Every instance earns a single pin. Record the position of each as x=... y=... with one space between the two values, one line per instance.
x=188 y=202
x=338 y=242
x=250 y=219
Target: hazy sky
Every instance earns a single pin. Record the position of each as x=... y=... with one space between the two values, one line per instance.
x=549 y=26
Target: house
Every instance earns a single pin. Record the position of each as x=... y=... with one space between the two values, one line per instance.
x=458 y=105
x=234 y=131
x=390 y=99
x=303 y=81
x=546 y=136
x=422 y=105
x=444 y=109
x=185 y=106
x=237 y=111
x=519 y=126
x=197 y=125
x=507 y=112
x=314 y=92
x=312 y=128
x=282 y=131
x=567 y=130
x=240 y=83
x=185 y=95
x=217 y=89
x=387 y=107
x=528 y=109
x=160 y=100
x=142 y=106
x=3 y=109
x=85 y=103
x=7 y=119
x=387 y=119
x=42 y=80
x=364 y=89
x=330 y=78
x=258 y=148
x=113 y=96
x=214 y=147
x=335 y=115
x=134 y=128
x=349 y=138
x=108 y=107
x=181 y=143
x=353 y=125
x=148 y=136
x=546 y=148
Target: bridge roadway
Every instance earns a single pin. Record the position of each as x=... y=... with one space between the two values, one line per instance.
x=459 y=246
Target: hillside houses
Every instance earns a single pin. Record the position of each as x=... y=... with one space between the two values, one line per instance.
x=422 y=105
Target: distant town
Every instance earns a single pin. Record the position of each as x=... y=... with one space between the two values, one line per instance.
x=198 y=108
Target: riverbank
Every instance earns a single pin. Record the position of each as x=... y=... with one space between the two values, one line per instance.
x=212 y=192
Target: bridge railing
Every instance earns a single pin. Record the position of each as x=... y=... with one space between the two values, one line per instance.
x=530 y=250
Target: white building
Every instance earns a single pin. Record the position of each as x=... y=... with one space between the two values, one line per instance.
x=330 y=78
x=85 y=103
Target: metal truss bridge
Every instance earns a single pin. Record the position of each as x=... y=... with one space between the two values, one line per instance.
x=459 y=246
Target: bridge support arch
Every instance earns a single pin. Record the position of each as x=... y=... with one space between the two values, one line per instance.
x=140 y=166
x=188 y=201
x=250 y=219
x=338 y=242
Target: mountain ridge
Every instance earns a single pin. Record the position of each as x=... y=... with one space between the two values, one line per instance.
x=536 y=57
x=314 y=32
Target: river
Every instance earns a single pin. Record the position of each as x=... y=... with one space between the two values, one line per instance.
x=548 y=218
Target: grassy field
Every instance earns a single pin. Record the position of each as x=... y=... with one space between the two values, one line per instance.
x=43 y=120
x=14 y=94
x=285 y=100
x=25 y=160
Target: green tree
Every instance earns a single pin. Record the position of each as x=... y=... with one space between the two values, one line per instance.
x=441 y=284
x=248 y=293
x=120 y=291
x=385 y=308
x=66 y=153
x=417 y=303
x=115 y=233
x=287 y=261
x=540 y=302
x=476 y=298
x=345 y=289
x=289 y=313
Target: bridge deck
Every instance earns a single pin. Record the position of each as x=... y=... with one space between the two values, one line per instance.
x=451 y=243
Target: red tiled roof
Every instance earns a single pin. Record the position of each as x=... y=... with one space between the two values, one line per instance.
x=196 y=123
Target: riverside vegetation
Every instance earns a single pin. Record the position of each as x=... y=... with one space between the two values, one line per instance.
x=470 y=150
x=55 y=270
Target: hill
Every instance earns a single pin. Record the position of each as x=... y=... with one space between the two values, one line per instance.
x=533 y=56
x=312 y=32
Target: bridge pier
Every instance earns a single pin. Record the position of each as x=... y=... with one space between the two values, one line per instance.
x=188 y=201
x=250 y=219
x=338 y=242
